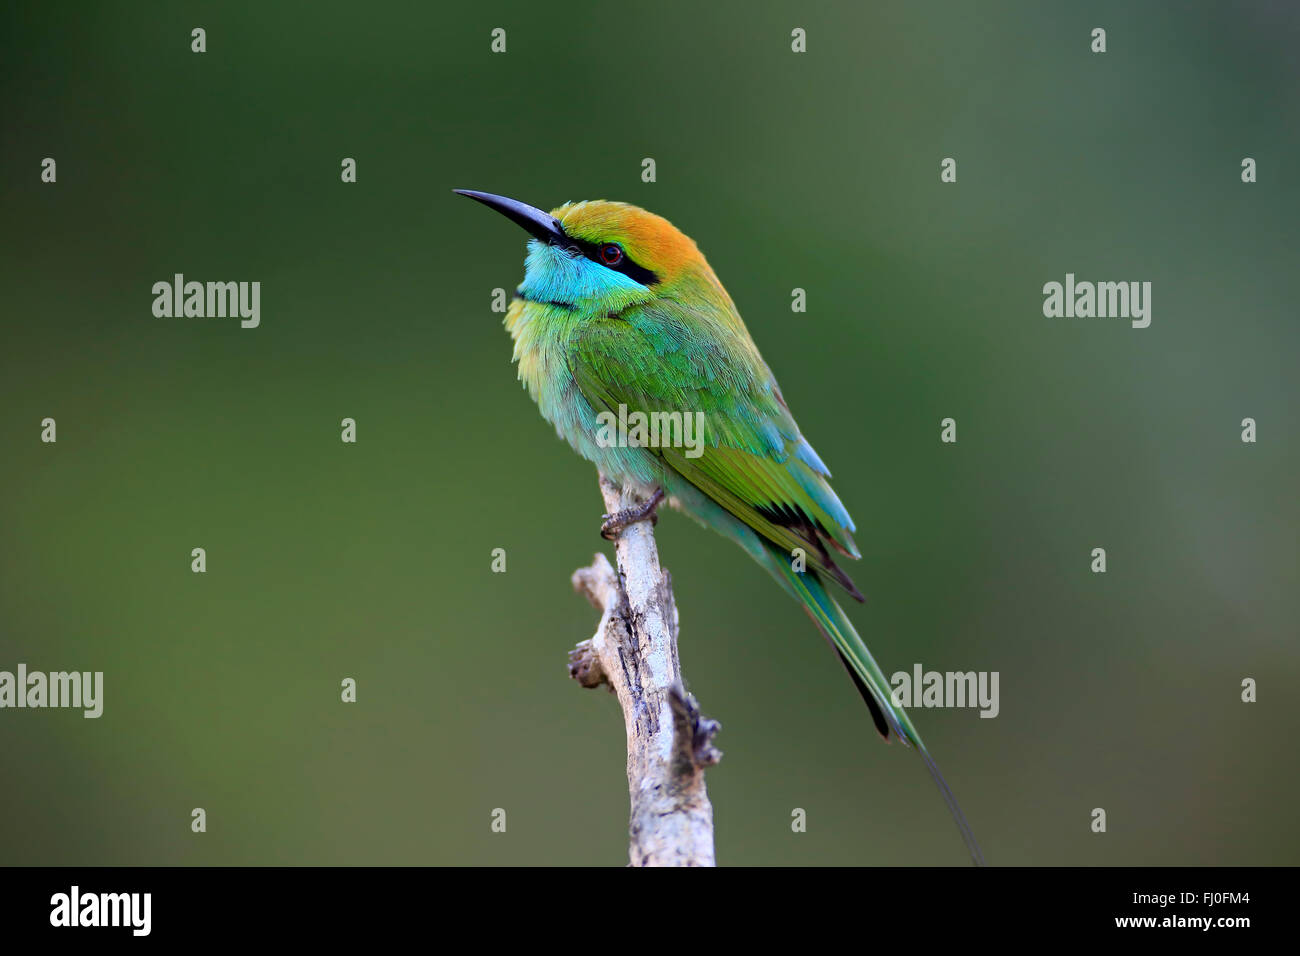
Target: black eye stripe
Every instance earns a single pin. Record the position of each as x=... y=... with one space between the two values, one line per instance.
x=591 y=250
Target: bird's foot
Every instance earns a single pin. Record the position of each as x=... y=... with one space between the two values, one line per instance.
x=616 y=522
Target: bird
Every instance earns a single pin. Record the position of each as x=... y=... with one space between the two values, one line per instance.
x=619 y=313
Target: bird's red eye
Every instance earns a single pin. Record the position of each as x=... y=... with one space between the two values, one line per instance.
x=611 y=254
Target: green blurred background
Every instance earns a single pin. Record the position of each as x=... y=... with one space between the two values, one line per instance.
x=372 y=560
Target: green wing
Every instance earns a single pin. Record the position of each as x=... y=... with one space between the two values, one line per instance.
x=755 y=464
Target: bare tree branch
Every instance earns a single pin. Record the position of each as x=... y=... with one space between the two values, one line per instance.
x=634 y=652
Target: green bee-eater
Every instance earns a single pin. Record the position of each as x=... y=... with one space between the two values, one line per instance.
x=619 y=314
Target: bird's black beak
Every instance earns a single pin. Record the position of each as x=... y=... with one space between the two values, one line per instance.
x=541 y=225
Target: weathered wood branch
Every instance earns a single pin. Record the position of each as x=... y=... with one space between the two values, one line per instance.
x=634 y=652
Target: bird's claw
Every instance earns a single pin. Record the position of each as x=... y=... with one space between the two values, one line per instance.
x=612 y=524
